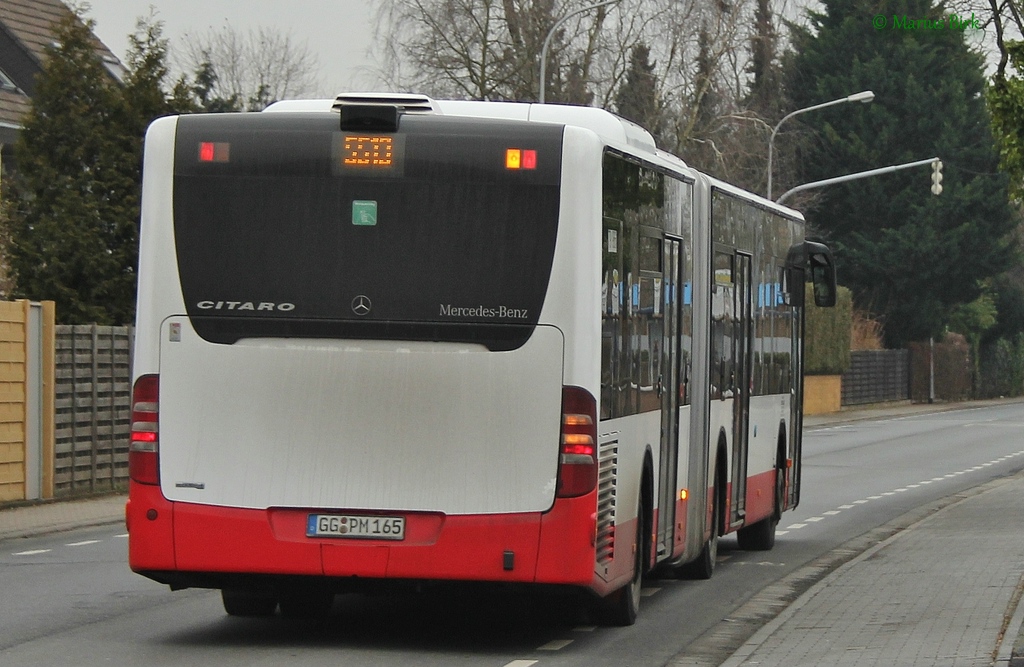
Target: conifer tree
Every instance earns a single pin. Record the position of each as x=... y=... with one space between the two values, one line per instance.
x=66 y=219
x=637 y=99
x=905 y=253
x=73 y=207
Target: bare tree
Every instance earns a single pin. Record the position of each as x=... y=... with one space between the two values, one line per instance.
x=490 y=49
x=253 y=68
x=699 y=63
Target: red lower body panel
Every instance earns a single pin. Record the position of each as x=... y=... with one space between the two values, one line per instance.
x=554 y=547
x=760 y=496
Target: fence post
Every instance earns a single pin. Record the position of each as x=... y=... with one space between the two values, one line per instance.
x=49 y=382
x=93 y=426
x=74 y=407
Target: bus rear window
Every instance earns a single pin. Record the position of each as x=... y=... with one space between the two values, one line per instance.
x=287 y=227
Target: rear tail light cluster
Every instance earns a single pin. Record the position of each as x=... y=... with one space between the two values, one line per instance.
x=577 y=465
x=143 y=452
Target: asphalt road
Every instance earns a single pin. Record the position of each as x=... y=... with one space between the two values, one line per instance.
x=70 y=599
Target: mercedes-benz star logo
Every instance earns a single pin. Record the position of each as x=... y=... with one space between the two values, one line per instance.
x=361 y=305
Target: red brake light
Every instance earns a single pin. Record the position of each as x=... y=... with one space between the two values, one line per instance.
x=144 y=450
x=577 y=465
x=214 y=151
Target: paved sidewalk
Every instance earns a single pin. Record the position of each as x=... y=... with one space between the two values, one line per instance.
x=941 y=593
x=51 y=517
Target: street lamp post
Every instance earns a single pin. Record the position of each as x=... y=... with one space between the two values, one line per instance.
x=863 y=96
x=551 y=33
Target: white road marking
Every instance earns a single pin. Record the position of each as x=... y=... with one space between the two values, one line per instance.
x=521 y=663
x=648 y=592
x=584 y=628
x=82 y=543
x=122 y=535
x=33 y=552
x=555 y=645
x=796 y=526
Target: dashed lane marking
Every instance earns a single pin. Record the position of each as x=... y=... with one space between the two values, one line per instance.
x=902 y=489
x=521 y=663
x=555 y=645
x=82 y=543
x=32 y=552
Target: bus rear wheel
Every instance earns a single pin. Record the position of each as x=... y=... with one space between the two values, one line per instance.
x=761 y=535
x=247 y=603
x=704 y=565
x=621 y=607
x=306 y=603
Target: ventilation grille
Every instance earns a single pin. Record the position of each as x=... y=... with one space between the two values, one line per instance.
x=406 y=103
x=608 y=468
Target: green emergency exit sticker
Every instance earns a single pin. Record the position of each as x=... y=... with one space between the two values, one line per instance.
x=364 y=213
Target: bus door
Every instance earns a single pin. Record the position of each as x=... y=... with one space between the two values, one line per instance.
x=742 y=340
x=669 y=387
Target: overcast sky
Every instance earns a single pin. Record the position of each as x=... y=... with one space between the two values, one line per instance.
x=337 y=31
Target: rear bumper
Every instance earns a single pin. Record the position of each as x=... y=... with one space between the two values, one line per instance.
x=186 y=544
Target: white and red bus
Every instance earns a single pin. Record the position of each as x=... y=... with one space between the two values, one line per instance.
x=392 y=338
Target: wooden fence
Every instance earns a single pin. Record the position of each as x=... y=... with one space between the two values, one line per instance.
x=93 y=407
x=26 y=400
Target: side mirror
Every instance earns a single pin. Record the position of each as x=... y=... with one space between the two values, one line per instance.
x=822 y=267
x=815 y=261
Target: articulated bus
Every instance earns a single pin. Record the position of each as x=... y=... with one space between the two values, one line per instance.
x=387 y=339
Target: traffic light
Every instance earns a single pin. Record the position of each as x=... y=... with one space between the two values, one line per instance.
x=937 y=177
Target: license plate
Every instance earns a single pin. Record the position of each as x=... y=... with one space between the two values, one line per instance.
x=356 y=526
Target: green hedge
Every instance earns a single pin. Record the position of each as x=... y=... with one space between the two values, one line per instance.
x=827 y=335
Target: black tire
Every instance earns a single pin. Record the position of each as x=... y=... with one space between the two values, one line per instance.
x=246 y=603
x=621 y=607
x=761 y=535
x=306 y=603
x=704 y=565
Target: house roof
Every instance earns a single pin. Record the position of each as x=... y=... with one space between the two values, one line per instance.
x=26 y=30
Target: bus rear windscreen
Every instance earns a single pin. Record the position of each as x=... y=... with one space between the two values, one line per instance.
x=287 y=227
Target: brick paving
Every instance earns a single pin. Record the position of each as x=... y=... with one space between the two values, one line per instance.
x=939 y=594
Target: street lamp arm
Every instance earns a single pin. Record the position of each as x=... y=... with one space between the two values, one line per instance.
x=855 y=176
x=551 y=33
x=863 y=96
